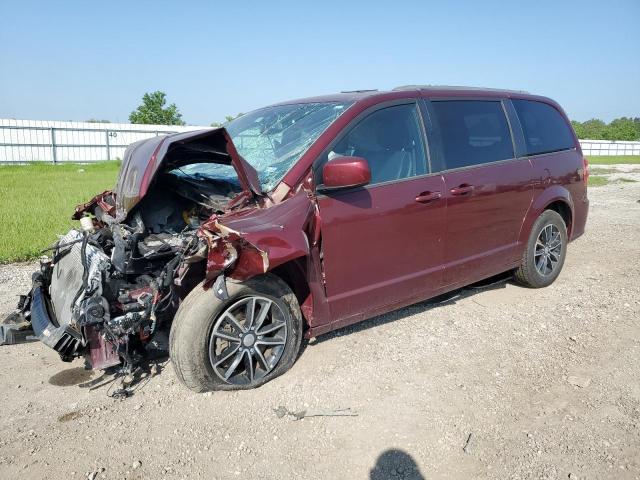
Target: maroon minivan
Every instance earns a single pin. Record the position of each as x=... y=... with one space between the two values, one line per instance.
x=306 y=216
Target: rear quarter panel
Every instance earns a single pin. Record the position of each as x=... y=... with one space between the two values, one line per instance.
x=558 y=177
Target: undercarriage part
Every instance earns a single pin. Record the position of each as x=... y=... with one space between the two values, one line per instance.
x=64 y=340
x=15 y=328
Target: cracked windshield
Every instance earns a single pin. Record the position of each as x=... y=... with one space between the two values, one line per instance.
x=272 y=139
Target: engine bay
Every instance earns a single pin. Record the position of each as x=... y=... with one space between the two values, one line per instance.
x=113 y=285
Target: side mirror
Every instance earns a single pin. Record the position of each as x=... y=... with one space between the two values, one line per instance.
x=343 y=172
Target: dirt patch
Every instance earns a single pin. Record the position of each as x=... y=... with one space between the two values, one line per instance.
x=499 y=382
x=67 y=417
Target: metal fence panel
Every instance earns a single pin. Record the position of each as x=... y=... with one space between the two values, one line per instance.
x=23 y=141
x=609 y=147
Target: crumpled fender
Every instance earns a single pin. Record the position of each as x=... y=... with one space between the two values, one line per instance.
x=101 y=200
x=255 y=241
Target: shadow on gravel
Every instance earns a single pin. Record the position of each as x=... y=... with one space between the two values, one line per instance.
x=71 y=376
x=393 y=464
x=493 y=283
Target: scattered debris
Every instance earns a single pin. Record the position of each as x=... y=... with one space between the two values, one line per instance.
x=468 y=445
x=582 y=382
x=340 y=412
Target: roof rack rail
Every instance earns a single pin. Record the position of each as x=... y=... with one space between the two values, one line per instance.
x=455 y=87
x=360 y=91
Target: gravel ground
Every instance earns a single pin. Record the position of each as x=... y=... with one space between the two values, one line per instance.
x=503 y=382
x=618 y=173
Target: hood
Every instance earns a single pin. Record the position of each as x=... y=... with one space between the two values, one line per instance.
x=143 y=160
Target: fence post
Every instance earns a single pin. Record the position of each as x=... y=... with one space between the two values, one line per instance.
x=54 y=155
x=107 y=143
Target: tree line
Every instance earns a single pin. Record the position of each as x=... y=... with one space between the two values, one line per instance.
x=153 y=111
x=623 y=128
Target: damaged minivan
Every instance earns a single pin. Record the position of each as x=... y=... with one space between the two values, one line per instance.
x=235 y=243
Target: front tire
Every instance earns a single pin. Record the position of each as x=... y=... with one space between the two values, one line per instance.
x=546 y=250
x=239 y=343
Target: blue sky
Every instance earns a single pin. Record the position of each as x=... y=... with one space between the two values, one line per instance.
x=77 y=60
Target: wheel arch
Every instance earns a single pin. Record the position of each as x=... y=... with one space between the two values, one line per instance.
x=556 y=198
x=294 y=274
x=564 y=210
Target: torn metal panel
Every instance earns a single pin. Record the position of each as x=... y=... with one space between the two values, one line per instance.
x=244 y=245
x=145 y=159
x=104 y=201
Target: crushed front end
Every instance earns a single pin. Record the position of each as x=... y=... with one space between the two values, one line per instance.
x=178 y=219
x=107 y=290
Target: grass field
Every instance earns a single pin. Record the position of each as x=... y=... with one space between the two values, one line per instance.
x=596 y=181
x=630 y=159
x=36 y=203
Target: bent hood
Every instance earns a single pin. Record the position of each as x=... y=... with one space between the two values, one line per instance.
x=143 y=160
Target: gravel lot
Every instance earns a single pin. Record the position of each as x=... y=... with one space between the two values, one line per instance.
x=503 y=382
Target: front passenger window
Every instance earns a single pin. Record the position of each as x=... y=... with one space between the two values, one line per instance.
x=390 y=140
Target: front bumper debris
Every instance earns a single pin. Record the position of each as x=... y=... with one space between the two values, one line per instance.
x=61 y=338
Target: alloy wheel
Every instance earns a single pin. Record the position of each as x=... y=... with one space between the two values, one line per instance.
x=548 y=250
x=247 y=340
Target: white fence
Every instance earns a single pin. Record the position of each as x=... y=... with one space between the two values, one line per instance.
x=24 y=141
x=607 y=147
x=50 y=141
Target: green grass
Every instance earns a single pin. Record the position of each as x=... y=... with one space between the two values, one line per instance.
x=596 y=181
x=601 y=171
x=611 y=160
x=37 y=201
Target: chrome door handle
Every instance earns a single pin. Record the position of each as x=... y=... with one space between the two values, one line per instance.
x=463 y=189
x=426 y=197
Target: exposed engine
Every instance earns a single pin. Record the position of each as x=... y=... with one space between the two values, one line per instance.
x=113 y=285
x=176 y=218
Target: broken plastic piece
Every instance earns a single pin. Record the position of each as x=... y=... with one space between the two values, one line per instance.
x=220 y=288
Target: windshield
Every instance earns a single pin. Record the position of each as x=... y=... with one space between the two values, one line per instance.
x=272 y=139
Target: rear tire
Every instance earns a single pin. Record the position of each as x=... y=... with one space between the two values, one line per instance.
x=545 y=252
x=256 y=333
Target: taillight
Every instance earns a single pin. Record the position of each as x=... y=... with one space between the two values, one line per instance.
x=585 y=170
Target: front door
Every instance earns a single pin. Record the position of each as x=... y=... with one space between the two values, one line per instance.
x=382 y=244
x=488 y=191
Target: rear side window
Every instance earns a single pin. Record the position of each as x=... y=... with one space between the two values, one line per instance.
x=472 y=132
x=545 y=130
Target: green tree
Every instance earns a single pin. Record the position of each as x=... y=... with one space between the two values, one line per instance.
x=595 y=129
x=622 y=129
x=227 y=119
x=153 y=111
x=619 y=129
x=577 y=126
